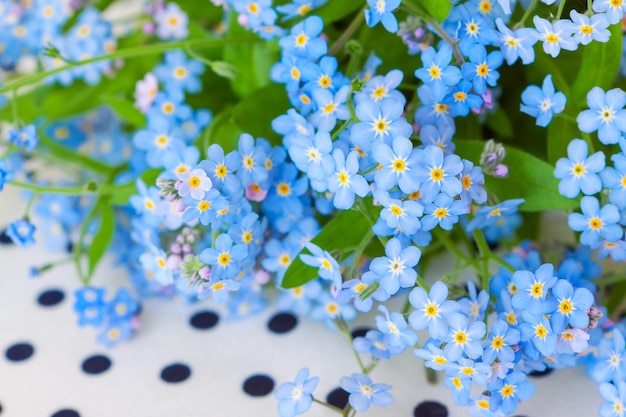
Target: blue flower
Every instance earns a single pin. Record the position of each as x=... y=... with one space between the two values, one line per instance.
x=595 y=222
x=614 y=10
x=587 y=28
x=610 y=361
x=606 y=114
x=90 y=306
x=579 y=172
x=296 y=397
x=397 y=165
x=303 y=41
x=542 y=103
x=312 y=155
x=224 y=257
x=154 y=262
x=614 y=179
x=437 y=172
x=396 y=269
x=437 y=71
x=177 y=72
x=397 y=214
x=21 y=232
x=252 y=168
x=298 y=8
x=381 y=87
x=475 y=305
x=499 y=341
x=444 y=211
x=432 y=310
x=380 y=121
x=330 y=107
x=218 y=288
x=328 y=266
x=394 y=326
x=572 y=306
x=434 y=357
x=537 y=329
x=25 y=137
x=122 y=307
x=615 y=395
x=221 y=169
x=115 y=332
x=461 y=99
x=532 y=289
x=157 y=140
x=507 y=393
x=473 y=180
x=490 y=216
x=382 y=11
x=482 y=68
x=204 y=209
x=464 y=337
x=363 y=392
x=555 y=36
x=346 y=182
x=433 y=111
x=376 y=344
x=475 y=30
x=518 y=44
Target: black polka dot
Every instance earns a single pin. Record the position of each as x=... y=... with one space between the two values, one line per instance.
x=203 y=320
x=176 y=372
x=19 y=352
x=50 y=298
x=96 y=364
x=66 y=412
x=5 y=239
x=360 y=332
x=282 y=323
x=338 y=397
x=539 y=374
x=258 y=385
x=430 y=409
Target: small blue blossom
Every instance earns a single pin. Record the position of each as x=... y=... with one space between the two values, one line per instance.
x=376 y=344
x=364 y=393
x=346 y=182
x=328 y=266
x=579 y=172
x=595 y=222
x=224 y=257
x=606 y=114
x=398 y=214
x=296 y=397
x=464 y=337
x=614 y=9
x=499 y=341
x=507 y=393
x=555 y=36
x=537 y=329
x=482 y=68
x=303 y=41
x=396 y=269
x=154 y=262
x=382 y=11
x=615 y=395
x=610 y=362
x=380 y=121
x=432 y=310
x=587 y=28
x=218 y=288
x=397 y=162
x=542 y=103
x=532 y=289
x=438 y=173
x=444 y=211
x=395 y=327
x=21 y=232
x=572 y=306
x=437 y=71
x=25 y=137
x=518 y=44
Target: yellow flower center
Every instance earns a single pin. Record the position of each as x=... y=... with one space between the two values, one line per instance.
x=223 y=259
x=436 y=174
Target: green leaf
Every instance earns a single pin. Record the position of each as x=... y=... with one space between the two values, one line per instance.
x=65 y=154
x=253 y=61
x=126 y=111
x=334 y=10
x=343 y=233
x=102 y=239
x=499 y=122
x=254 y=114
x=529 y=177
x=437 y=9
x=561 y=131
x=600 y=66
x=222 y=130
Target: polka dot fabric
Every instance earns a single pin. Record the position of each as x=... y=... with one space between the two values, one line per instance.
x=191 y=360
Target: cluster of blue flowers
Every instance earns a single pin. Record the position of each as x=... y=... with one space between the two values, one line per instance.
x=228 y=223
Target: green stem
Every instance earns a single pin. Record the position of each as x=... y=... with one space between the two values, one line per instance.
x=14 y=111
x=30 y=204
x=133 y=52
x=589 y=11
x=450 y=245
x=341 y=128
x=354 y=25
x=502 y=262
x=485 y=253
x=560 y=10
x=444 y=35
x=329 y=406
x=86 y=189
x=526 y=15
x=587 y=138
x=78 y=248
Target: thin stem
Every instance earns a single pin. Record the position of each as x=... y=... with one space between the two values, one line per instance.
x=502 y=263
x=526 y=15
x=589 y=10
x=133 y=52
x=341 y=128
x=450 y=245
x=330 y=406
x=485 y=253
x=14 y=111
x=444 y=35
x=559 y=12
x=587 y=138
x=354 y=25
x=30 y=204
x=86 y=189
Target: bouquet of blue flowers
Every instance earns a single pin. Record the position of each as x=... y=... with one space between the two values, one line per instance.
x=318 y=155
